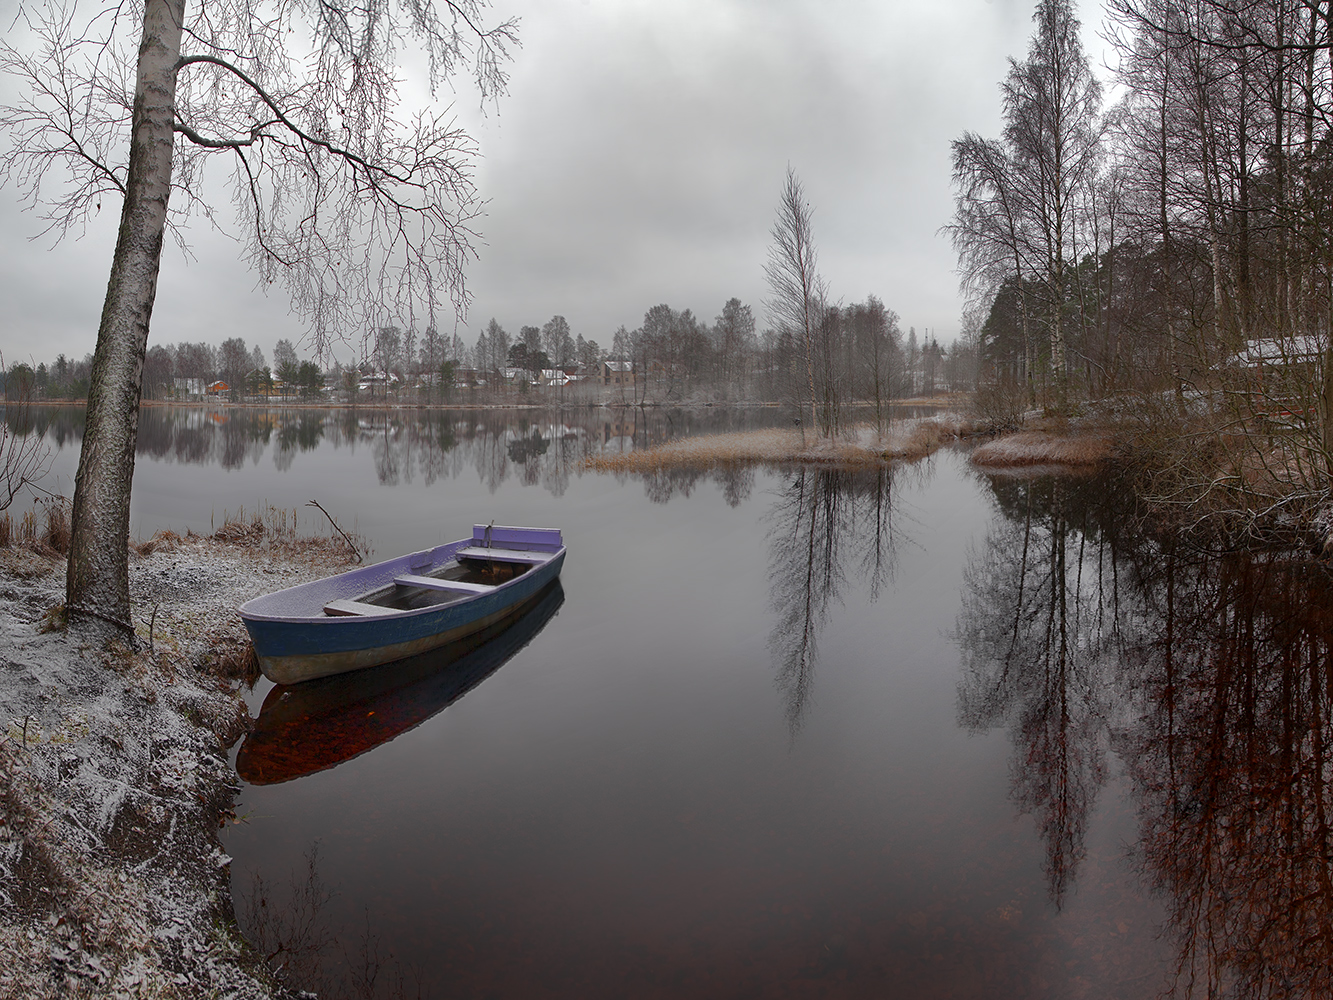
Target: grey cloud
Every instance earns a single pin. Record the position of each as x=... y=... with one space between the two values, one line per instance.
x=637 y=160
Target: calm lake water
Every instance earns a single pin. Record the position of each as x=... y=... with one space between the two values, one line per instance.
x=806 y=733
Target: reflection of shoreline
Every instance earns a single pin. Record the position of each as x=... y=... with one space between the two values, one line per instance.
x=318 y=725
x=406 y=443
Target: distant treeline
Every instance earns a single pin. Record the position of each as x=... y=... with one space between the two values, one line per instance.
x=672 y=357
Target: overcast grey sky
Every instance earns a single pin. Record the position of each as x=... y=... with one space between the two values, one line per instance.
x=638 y=160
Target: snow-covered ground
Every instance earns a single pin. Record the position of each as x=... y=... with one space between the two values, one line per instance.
x=114 y=777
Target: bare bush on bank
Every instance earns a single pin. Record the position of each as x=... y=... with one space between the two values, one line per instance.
x=24 y=456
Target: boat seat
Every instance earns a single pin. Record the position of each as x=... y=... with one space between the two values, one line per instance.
x=435 y=583
x=342 y=608
x=503 y=555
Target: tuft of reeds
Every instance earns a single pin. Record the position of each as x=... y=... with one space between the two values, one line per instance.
x=237 y=530
x=1039 y=448
x=56 y=535
x=916 y=439
x=279 y=530
x=237 y=662
x=28 y=528
x=6 y=530
x=704 y=452
x=165 y=540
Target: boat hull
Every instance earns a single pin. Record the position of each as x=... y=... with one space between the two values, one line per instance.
x=295 y=648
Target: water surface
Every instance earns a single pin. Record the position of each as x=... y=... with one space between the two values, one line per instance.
x=916 y=732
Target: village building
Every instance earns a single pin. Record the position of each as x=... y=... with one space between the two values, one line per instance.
x=618 y=372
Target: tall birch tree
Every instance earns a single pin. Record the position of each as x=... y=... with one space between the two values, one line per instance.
x=353 y=208
x=1020 y=201
x=793 y=277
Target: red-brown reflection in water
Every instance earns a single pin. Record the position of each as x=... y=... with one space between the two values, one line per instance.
x=1231 y=763
x=1209 y=678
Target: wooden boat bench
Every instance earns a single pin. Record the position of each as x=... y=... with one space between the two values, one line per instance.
x=343 y=608
x=347 y=607
x=435 y=583
x=503 y=555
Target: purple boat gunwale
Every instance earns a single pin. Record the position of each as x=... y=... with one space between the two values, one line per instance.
x=296 y=641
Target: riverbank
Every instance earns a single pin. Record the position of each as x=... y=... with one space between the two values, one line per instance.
x=944 y=401
x=1069 y=447
x=114 y=771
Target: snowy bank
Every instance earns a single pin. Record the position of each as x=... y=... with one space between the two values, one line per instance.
x=114 y=775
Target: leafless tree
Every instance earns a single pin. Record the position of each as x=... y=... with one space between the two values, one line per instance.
x=734 y=335
x=352 y=209
x=990 y=232
x=796 y=289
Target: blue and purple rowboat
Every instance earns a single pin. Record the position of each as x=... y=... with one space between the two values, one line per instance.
x=401 y=607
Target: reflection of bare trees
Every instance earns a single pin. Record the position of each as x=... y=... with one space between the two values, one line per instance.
x=1231 y=759
x=539 y=449
x=820 y=515
x=1036 y=641
x=388 y=446
x=288 y=925
x=24 y=455
x=1211 y=677
x=295 y=435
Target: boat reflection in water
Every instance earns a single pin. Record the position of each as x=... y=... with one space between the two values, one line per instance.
x=319 y=724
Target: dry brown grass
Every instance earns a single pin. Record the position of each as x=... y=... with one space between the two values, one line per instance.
x=23 y=563
x=56 y=535
x=906 y=440
x=1028 y=448
x=237 y=530
x=49 y=541
x=165 y=540
x=279 y=531
x=233 y=660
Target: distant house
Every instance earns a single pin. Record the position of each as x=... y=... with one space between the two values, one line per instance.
x=378 y=381
x=553 y=376
x=217 y=388
x=1284 y=375
x=617 y=372
x=1275 y=353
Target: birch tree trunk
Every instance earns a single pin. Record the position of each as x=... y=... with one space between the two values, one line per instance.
x=97 y=584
